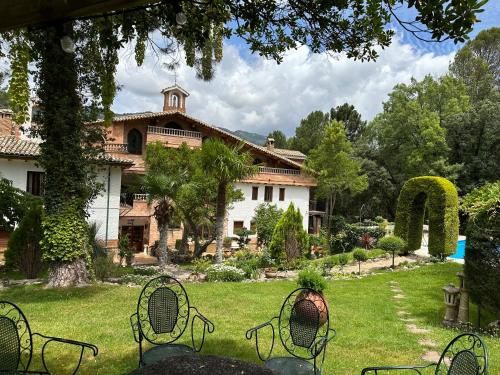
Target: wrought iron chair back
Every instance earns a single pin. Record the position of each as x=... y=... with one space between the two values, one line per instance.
x=16 y=344
x=163 y=310
x=303 y=321
x=466 y=354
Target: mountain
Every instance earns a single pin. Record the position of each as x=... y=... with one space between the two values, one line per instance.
x=258 y=139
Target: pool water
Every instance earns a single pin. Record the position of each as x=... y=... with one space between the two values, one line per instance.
x=460 y=254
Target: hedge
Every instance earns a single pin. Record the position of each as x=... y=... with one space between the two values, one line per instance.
x=482 y=248
x=442 y=204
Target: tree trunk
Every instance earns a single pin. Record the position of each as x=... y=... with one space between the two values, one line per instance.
x=62 y=275
x=219 y=221
x=184 y=240
x=162 y=243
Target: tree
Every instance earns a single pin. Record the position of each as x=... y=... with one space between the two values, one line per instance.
x=351 y=119
x=339 y=172
x=13 y=205
x=279 y=138
x=74 y=56
x=359 y=255
x=289 y=240
x=162 y=180
x=477 y=64
x=310 y=132
x=266 y=217
x=226 y=165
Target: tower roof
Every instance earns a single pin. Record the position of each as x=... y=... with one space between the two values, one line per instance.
x=174 y=87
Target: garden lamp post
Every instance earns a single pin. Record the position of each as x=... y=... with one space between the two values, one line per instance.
x=451 y=297
x=463 y=310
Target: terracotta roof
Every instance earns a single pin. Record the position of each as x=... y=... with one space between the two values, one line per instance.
x=294 y=154
x=153 y=115
x=175 y=87
x=13 y=147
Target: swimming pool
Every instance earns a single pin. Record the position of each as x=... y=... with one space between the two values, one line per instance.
x=460 y=254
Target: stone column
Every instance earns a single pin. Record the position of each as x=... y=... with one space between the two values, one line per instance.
x=451 y=301
x=463 y=310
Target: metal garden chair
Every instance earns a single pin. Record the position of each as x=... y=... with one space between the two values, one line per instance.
x=304 y=330
x=162 y=316
x=16 y=342
x=466 y=354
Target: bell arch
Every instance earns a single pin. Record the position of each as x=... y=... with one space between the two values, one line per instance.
x=441 y=198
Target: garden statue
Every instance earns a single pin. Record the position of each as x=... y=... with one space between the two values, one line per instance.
x=451 y=297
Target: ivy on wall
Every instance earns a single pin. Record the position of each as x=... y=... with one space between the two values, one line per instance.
x=440 y=197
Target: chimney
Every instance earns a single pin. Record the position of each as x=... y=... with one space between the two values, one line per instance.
x=270 y=144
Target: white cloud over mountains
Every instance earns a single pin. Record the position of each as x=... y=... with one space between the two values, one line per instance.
x=260 y=95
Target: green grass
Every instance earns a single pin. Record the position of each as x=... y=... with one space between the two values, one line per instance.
x=362 y=311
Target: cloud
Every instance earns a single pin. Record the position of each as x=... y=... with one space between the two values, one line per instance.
x=259 y=95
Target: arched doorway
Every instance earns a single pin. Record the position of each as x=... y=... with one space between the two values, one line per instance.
x=134 y=142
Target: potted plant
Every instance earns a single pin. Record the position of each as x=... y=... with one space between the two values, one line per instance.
x=311 y=279
x=123 y=245
x=271 y=272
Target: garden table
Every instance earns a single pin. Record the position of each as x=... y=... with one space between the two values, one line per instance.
x=201 y=365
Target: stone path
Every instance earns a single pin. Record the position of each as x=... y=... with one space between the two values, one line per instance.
x=411 y=325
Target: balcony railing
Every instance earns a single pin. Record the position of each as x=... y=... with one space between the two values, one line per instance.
x=173 y=132
x=294 y=172
x=115 y=147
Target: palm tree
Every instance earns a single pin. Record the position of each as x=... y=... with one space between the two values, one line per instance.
x=162 y=180
x=226 y=165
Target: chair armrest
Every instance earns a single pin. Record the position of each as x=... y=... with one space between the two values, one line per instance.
x=251 y=331
x=320 y=343
x=207 y=326
x=134 y=323
x=416 y=369
x=83 y=345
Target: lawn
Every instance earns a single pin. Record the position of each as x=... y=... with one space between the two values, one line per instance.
x=363 y=312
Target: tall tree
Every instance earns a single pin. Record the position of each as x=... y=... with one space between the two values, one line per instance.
x=351 y=119
x=279 y=138
x=163 y=178
x=226 y=165
x=339 y=172
x=309 y=132
x=80 y=55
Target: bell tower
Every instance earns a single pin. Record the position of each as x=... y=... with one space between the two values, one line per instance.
x=174 y=98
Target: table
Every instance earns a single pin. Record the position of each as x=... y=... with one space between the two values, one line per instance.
x=201 y=365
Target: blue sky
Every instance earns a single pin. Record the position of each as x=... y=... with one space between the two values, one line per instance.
x=255 y=94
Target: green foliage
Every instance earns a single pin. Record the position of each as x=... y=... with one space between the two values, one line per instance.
x=13 y=204
x=227 y=242
x=312 y=279
x=104 y=267
x=482 y=255
x=343 y=259
x=347 y=236
x=65 y=236
x=309 y=132
x=200 y=265
x=359 y=254
x=347 y=115
x=266 y=217
x=222 y=272
x=392 y=244
x=243 y=237
x=248 y=262
x=289 y=240
x=23 y=250
x=440 y=197
x=123 y=246
x=19 y=90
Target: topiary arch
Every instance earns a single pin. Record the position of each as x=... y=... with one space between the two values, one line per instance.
x=442 y=204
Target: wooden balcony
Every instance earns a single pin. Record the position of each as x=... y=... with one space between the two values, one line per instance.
x=174 y=137
x=281 y=176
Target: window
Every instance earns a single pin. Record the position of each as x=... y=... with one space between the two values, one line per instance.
x=237 y=225
x=282 y=194
x=34 y=182
x=134 y=142
x=268 y=194
x=174 y=100
x=255 y=193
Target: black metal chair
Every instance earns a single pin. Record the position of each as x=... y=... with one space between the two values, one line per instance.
x=304 y=330
x=466 y=354
x=16 y=342
x=162 y=317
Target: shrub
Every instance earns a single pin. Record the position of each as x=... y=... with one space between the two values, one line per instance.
x=290 y=240
x=266 y=260
x=248 y=262
x=227 y=242
x=392 y=244
x=103 y=266
x=243 y=237
x=124 y=249
x=312 y=279
x=352 y=235
x=330 y=262
x=482 y=248
x=178 y=244
x=222 y=272
x=440 y=197
x=201 y=265
x=266 y=217
x=359 y=255
x=23 y=250
x=147 y=270
x=343 y=259
x=367 y=241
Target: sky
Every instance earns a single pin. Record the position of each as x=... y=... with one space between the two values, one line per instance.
x=258 y=95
